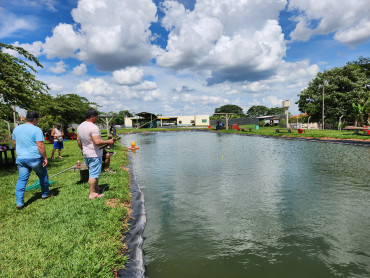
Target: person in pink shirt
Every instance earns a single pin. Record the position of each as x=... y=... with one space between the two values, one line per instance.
x=89 y=140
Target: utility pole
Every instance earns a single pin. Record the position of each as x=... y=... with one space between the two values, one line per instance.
x=323 y=105
x=14 y=117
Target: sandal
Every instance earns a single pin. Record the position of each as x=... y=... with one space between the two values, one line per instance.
x=97 y=196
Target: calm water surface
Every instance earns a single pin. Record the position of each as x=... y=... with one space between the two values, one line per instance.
x=238 y=206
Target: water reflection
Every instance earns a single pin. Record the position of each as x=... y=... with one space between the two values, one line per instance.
x=235 y=206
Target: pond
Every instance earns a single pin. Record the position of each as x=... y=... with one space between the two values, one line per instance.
x=222 y=205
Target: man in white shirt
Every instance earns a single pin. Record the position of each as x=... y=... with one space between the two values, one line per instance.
x=58 y=135
x=89 y=140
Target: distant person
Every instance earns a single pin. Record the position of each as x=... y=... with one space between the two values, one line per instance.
x=58 y=134
x=113 y=131
x=28 y=140
x=219 y=125
x=89 y=140
x=106 y=161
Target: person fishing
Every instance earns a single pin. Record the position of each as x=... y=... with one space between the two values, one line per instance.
x=89 y=141
x=28 y=139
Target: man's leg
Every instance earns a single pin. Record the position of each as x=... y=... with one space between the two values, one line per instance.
x=24 y=173
x=60 y=147
x=94 y=164
x=94 y=187
x=52 y=154
x=107 y=161
x=42 y=173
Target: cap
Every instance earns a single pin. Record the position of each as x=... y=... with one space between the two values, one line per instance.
x=58 y=124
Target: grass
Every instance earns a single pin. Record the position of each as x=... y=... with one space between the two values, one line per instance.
x=270 y=131
x=67 y=235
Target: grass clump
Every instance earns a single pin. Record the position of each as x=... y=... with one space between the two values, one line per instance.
x=67 y=235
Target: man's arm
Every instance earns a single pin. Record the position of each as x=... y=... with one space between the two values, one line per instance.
x=98 y=141
x=52 y=133
x=14 y=144
x=41 y=147
x=79 y=142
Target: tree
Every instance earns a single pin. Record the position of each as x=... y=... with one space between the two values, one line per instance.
x=120 y=119
x=276 y=111
x=18 y=85
x=257 y=110
x=63 y=109
x=343 y=87
x=230 y=108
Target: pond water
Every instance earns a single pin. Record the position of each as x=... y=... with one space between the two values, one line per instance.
x=221 y=205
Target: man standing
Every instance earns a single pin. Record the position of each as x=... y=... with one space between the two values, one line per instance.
x=57 y=134
x=28 y=140
x=89 y=140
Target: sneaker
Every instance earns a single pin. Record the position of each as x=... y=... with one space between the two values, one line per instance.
x=20 y=207
x=47 y=196
x=109 y=171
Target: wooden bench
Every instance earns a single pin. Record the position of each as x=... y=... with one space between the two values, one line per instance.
x=84 y=171
x=279 y=130
x=5 y=160
x=356 y=129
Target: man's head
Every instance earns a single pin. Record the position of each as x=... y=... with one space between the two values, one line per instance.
x=32 y=117
x=59 y=126
x=92 y=114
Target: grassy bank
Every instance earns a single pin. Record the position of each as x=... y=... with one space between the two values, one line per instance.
x=270 y=131
x=67 y=235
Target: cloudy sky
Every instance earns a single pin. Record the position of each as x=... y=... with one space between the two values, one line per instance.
x=186 y=57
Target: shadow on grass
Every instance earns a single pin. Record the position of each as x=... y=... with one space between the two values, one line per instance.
x=103 y=187
x=37 y=195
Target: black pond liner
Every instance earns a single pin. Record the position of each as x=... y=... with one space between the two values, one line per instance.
x=135 y=267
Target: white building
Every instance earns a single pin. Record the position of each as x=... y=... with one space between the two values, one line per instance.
x=196 y=120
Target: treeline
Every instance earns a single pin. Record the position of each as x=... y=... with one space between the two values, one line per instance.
x=253 y=111
x=342 y=92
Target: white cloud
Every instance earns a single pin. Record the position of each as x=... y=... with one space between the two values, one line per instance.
x=10 y=23
x=348 y=20
x=237 y=40
x=55 y=87
x=95 y=87
x=146 y=85
x=111 y=34
x=64 y=42
x=128 y=76
x=80 y=70
x=272 y=101
x=60 y=67
x=49 y=4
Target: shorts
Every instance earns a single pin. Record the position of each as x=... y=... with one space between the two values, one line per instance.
x=94 y=165
x=58 y=145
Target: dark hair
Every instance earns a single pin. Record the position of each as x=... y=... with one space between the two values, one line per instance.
x=31 y=115
x=91 y=112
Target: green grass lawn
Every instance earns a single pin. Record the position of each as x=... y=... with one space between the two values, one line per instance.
x=67 y=235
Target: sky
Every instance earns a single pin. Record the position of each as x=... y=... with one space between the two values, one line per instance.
x=186 y=57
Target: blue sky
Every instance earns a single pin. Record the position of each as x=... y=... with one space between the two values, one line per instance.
x=186 y=57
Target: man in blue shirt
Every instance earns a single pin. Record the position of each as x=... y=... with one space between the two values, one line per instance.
x=28 y=140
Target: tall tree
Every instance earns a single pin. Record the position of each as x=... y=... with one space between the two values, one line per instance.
x=341 y=86
x=276 y=111
x=230 y=108
x=257 y=110
x=18 y=85
x=64 y=109
x=120 y=119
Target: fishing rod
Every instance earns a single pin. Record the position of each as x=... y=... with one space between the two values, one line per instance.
x=37 y=183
